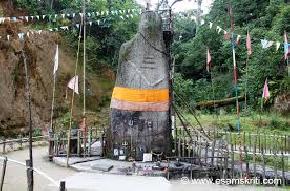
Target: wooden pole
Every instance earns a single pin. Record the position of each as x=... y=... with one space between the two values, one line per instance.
x=232 y=156
x=213 y=151
x=254 y=156
x=79 y=143
x=29 y=174
x=179 y=144
x=264 y=162
x=283 y=169
x=90 y=141
x=275 y=159
x=3 y=173
x=250 y=142
x=4 y=146
x=62 y=186
x=28 y=94
x=183 y=143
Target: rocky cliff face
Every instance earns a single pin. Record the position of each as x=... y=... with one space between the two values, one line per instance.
x=39 y=50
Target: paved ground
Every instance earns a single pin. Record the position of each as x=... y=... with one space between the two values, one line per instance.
x=16 y=178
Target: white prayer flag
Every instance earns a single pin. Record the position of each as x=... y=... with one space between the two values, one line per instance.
x=55 y=61
x=73 y=84
x=278 y=44
x=266 y=44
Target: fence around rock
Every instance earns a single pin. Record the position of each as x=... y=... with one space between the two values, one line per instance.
x=80 y=142
x=236 y=155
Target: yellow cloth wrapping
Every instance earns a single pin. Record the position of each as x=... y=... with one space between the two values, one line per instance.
x=141 y=95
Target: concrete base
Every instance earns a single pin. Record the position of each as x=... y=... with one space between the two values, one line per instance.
x=61 y=161
x=103 y=168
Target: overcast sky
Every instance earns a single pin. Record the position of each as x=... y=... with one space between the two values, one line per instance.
x=184 y=5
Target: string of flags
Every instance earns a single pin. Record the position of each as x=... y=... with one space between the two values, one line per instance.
x=31 y=33
x=32 y=18
x=265 y=43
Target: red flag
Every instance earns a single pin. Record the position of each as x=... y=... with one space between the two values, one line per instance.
x=249 y=44
x=208 y=60
x=286 y=46
x=266 y=93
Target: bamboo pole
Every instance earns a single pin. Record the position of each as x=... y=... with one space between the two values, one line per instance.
x=84 y=81
x=254 y=157
x=72 y=101
x=53 y=95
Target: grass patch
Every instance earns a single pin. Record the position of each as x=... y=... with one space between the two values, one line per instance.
x=266 y=123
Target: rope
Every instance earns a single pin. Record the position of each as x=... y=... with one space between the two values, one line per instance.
x=190 y=110
x=33 y=168
x=155 y=48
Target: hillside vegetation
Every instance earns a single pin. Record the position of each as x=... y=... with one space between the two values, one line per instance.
x=264 y=20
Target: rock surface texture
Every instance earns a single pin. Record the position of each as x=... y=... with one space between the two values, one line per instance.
x=140 y=100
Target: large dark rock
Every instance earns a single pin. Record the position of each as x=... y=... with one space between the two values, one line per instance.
x=139 y=126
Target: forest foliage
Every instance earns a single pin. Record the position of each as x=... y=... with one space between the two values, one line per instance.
x=264 y=20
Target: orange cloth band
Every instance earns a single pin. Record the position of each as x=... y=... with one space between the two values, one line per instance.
x=141 y=95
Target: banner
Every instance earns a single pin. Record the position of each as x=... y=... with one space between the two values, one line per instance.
x=73 y=84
